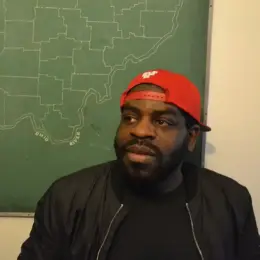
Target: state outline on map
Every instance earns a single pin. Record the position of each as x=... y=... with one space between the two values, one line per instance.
x=121 y=66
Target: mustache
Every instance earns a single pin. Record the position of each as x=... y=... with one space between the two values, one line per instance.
x=140 y=147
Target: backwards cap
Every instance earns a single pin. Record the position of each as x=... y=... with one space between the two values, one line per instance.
x=178 y=90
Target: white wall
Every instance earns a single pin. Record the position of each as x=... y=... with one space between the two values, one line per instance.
x=234 y=94
x=233 y=145
x=13 y=232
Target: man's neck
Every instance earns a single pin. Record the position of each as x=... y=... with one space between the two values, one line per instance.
x=172 y=182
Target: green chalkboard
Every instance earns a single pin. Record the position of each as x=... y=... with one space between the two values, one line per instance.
x=63 y=66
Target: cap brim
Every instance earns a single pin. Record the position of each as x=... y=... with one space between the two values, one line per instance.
x=204 y=128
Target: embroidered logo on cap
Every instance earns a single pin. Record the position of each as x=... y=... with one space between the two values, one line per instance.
x=149 y=74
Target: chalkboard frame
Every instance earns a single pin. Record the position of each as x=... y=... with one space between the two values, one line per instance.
x=206 y=97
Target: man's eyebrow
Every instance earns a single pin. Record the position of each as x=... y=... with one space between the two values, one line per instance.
x=130 y=108
x=167 y=112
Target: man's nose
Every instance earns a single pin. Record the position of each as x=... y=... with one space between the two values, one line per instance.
x=143 y=129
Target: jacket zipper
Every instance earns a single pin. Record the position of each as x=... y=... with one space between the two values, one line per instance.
x=108 y=230
x=193 y=232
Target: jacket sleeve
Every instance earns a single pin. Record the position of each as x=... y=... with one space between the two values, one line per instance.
x=249 y=239
x=44 y=241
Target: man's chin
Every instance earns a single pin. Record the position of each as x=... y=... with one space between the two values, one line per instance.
x=141 y=172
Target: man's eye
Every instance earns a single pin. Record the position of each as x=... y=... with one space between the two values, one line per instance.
x=163 y=122
x=128 y=119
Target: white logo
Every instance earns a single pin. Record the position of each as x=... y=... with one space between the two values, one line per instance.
x=149 y=74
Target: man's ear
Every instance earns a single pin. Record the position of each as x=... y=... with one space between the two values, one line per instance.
x=193 y=132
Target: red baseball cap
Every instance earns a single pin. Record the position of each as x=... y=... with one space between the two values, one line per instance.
x=179 y=91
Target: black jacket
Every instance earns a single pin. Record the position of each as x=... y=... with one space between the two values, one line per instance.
x=77 y=217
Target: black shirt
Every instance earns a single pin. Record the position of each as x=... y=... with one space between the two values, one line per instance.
x=158 y=228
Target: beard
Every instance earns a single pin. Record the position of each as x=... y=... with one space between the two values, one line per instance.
x=151 y=174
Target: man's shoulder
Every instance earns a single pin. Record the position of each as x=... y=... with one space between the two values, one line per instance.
x=220 y=179
x=235 y=192
x=84 y=176
x=69 y=194
x=79 y=183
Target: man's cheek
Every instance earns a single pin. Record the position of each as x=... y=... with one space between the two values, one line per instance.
x=120 y=143
x=122 y=139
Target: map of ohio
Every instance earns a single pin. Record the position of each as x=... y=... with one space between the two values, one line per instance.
x=55 y=54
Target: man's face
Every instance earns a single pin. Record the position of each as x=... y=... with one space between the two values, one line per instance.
x=151 y=140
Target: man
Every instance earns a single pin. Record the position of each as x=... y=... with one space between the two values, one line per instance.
x=148 y=204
